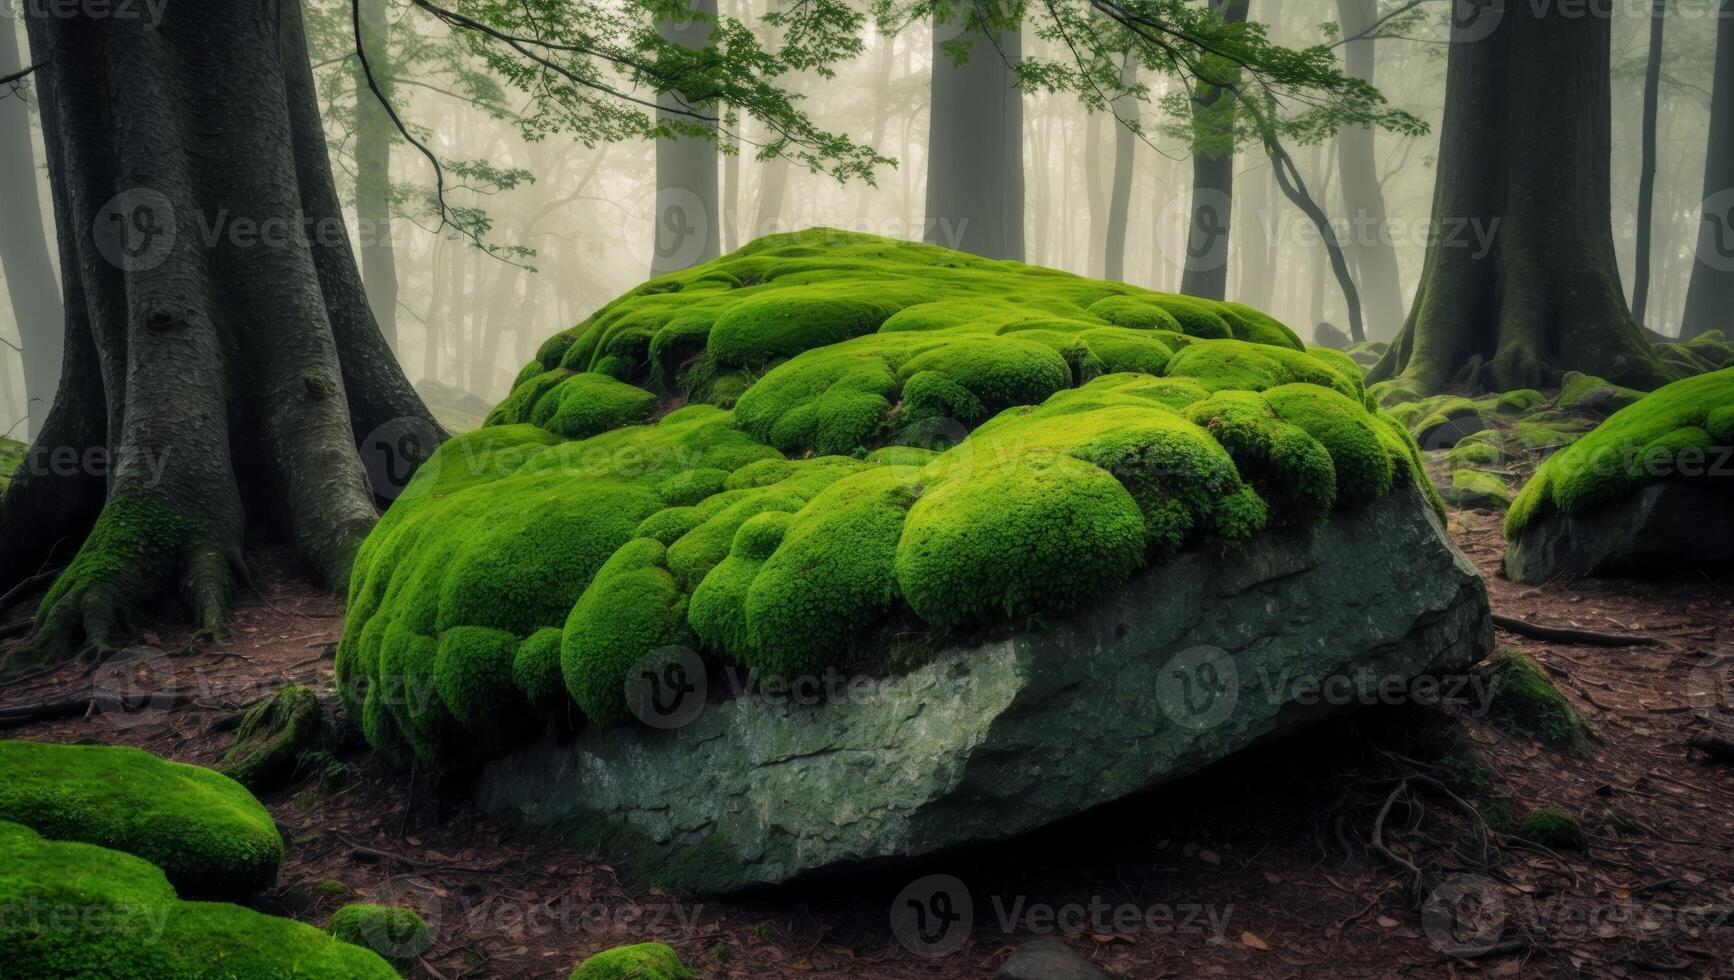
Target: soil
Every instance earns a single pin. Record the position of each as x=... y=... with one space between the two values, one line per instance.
x=1260 y=867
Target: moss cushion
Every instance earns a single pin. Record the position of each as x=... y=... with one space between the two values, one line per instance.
x=852 y=437
x=204 y=830
x=78 y=910
x=1681 y=432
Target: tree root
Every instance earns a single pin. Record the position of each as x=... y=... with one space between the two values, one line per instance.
x=1566 y=634
x=88 y=704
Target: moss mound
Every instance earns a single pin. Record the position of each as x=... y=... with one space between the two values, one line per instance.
x=1523 y=700
x=867 y=438
x=205 y=831
x=645 y=961
x=280 y=738
x=78 y=910
x=1678 y=432
x=398 y=934
x=1551 y=828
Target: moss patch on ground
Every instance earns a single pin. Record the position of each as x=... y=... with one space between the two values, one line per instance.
x=398 y=934
x=645 y=961
x=1553 y=828
x=773 y=457
x=1523 y=700
x=1679 y=432
x=284 y=736
x=79 y=910
x=207 y=833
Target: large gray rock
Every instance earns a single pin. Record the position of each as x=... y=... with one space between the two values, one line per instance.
x=1187 y=663
x=1047 y=958
x=1665 y=527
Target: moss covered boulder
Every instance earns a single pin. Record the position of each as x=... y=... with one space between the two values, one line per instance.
x=832 y=453
x=644 y=961
x=205 y=831
x=77 y=910
x=1650 y=490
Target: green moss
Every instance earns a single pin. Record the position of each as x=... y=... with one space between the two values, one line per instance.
x=207 y=833
x=1552 y=828
x=1519 y=401
x=398 y=934
x=1474 y=490
x=136 y=544
x=1588 y=391
x=11 y=457
x=79 y=910
x=1665 y=436
x=917 y=437
x=273 y=737
x=1523 y=700
x=586 y=404
x=645 y=961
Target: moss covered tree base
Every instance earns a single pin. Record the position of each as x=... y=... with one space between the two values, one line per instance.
x=1180 y=666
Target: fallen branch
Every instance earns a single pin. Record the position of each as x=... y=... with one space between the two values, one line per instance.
x=1567 y=634
x=87 y=704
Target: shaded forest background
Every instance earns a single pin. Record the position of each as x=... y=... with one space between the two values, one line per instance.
x=469 y=320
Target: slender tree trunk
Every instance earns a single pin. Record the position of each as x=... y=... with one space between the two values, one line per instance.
x=1521 y=284
x=1647 y=174
x=208 y=388
x=24 y=250
x=688 y=218
x=374 y=134
x=1369 y=248
x=975 y=162
x=1710 y=294
x=1120 y=197
x=1207 y=237
x=1096 y=193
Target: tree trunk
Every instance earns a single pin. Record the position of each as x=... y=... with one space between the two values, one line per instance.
x=1097 y=194
x=374 y=134
x=1120 y=196
x=688 y=218
x=1710 y=294
x=1369 y=247
x=222 y=364
x=1206 y=272
x=24 y=250
x=1520 y=282
x=975 y=160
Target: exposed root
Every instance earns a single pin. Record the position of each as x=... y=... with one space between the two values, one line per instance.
x=1566 y=634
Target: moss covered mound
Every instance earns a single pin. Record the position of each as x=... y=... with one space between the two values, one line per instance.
x=205 y=831
x=78 y=910
x=819 y=441
x=1681 y=432
x=645 y=961
x=398 y=934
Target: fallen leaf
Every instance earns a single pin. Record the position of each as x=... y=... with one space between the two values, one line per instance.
x=1252 y=941
x=1386 y=922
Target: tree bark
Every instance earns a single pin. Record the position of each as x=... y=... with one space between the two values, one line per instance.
x=688 y=215
x=1097 y=193
x=1520 y=282
x=24 y=249
x=1369 y=248
x=1710 y=292
x=223 y=372
x=374 y=134
x=1212 y=209
x=1120 y=195
x=975 y=159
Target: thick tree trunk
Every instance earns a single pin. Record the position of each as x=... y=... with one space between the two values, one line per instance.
x=1120 y=195
x=975 y=158
x=222 y=365
x=688 y=216
x=374 y=134
x=1369 y=247
x=24 y=249
x=1520 y=283
x=1710 y=294
x=1212 y=210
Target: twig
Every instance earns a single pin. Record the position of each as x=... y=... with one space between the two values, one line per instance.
x=27 y=586
x=1566 y=634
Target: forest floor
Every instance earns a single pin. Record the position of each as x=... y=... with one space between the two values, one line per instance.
x=1260 y=867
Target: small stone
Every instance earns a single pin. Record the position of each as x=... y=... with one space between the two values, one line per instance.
x=1048 y=958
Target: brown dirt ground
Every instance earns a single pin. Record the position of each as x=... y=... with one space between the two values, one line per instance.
x=1258 y=868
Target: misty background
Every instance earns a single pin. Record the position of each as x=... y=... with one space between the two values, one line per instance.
x=469 y=320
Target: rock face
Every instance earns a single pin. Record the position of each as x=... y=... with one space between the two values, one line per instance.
x=1663 y=528
x=1187 y=663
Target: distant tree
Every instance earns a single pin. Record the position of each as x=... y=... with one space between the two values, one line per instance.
x=1369 y=250
x=975 y=146
x=1647 y=166
x=1120 y=192
x=24 y=260
x=1214 y=111
x=1710 y=296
